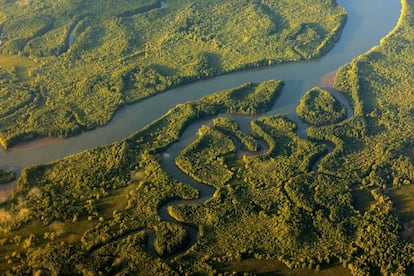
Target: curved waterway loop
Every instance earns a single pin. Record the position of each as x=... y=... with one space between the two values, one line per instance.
x=368 y=21
x=167 y=161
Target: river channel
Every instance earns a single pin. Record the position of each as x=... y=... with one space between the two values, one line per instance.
x=368 y=21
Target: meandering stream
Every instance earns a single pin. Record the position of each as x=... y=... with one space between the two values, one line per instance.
x=167 y=160
x=368 y=21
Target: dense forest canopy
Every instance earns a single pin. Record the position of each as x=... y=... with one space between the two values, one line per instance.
x=318 y=107
x=66 y=66
x=338 y=202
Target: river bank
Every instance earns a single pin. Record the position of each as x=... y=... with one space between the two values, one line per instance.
x=298 y=77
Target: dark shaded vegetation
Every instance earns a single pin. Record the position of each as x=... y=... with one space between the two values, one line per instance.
x=362 y=199
x=271 y=267
x=7 y=176
x=92 y=57
x=403 y=199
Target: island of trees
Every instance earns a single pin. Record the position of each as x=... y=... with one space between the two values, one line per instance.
x=294 y=203
x=318 y=107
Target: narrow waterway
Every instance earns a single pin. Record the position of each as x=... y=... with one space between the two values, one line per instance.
x=167 y=160
x=368 y=21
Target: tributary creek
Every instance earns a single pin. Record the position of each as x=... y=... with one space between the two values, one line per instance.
x=368 y=21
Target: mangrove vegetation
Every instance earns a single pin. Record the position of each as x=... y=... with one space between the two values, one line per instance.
x=318 y=107
x=68 y=66
x=336 y=203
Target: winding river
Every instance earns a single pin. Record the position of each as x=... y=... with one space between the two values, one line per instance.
x=368 y=21
x=206 y=191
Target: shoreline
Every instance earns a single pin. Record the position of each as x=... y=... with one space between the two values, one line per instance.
x=6 y=190
x=328 y=45
x=40 y=141
x=328 y=79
